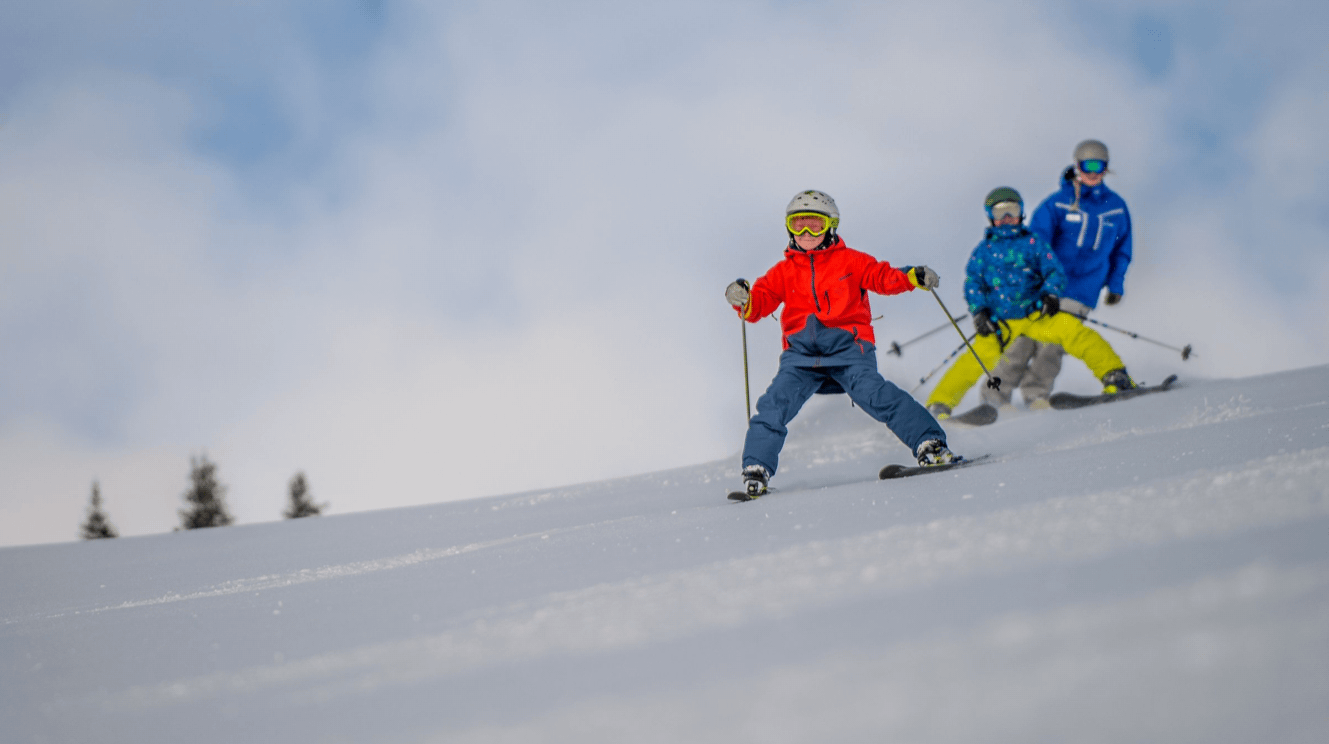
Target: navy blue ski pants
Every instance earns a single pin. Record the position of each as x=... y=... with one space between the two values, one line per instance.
x=793 y=385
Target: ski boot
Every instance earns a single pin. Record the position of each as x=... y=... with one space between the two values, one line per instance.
x=1116 y=381
x=934 y=452
x=940 y=411
x=755 y=478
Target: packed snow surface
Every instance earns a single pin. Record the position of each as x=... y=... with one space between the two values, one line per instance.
x=1150 y=570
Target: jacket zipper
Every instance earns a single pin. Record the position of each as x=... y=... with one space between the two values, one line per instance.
x=813 y=263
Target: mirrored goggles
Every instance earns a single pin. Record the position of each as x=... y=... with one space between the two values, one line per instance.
x=811 y=223
x=1093 y=166
x=1006 y=209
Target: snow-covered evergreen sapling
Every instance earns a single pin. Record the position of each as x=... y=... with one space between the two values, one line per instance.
x=97 y=525
x=206 y=497
x=301 y=503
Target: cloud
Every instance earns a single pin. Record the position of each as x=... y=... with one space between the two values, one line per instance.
x=438 y=252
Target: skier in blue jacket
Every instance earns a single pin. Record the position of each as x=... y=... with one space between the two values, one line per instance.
x=1089 y=228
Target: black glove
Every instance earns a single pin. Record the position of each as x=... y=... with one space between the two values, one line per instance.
x=983 y=323
x=1051 y=305
x=1113 y=298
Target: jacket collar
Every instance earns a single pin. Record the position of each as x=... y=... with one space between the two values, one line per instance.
x=791 y=252
x=1087 y=193
x=1005 y=231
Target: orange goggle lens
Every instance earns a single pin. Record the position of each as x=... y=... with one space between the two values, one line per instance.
x=811 y=223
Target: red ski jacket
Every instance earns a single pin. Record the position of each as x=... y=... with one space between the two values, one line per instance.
x=830 y=284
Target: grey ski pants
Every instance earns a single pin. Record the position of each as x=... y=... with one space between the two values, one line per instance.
x=1030 y=366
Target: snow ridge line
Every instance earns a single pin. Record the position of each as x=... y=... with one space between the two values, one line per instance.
x=1236 y=407
x=305 y=575
x=611 y=617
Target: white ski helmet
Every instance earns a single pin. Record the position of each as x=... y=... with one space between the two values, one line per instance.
x=815 y=201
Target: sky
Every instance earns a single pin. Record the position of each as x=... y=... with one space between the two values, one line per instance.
x=376 y=241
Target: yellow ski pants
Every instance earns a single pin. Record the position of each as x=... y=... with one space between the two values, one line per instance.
x=1063 y=329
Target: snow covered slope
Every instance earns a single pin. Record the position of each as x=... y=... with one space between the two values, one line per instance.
x=1156 y=569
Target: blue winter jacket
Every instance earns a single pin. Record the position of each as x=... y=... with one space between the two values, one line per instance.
x=1010 y=271
x=1091 y=235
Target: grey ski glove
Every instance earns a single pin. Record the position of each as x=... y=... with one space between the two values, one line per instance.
x=923 y=277
x=738 y=292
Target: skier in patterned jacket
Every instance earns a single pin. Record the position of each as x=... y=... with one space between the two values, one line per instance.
x=828 y=340
x=1089 y=228
x=1013 y=284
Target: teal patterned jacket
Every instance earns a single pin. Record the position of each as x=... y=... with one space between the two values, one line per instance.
x=1010 y=271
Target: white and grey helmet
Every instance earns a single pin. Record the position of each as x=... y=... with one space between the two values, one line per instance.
x=815 y=201
x=1090 y=150
x=819 y=202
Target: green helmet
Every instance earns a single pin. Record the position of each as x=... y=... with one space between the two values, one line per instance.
x=1001 y=194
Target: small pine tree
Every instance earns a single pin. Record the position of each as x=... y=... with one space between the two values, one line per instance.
x=97 y=525
x=206 y=497
x=302 y=504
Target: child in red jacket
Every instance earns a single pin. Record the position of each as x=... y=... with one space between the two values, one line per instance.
x=829 y=346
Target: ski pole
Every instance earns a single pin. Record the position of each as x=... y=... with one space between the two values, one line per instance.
x=993 y=382
x=747 y=390
x=743 y=321
x=897 y=349
x=924 y=380
x=1186 y=352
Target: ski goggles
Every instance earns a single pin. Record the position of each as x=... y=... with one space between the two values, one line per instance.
x=812 y=223
x=1006 y=209
x=1094 y=166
